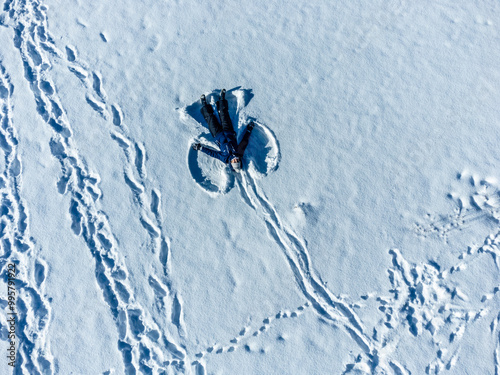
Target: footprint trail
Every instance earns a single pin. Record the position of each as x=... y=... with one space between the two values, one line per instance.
x=146 y=196
x=19 y=248
x=143 y=345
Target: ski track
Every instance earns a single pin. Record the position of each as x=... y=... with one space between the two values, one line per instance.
x=142 y=345
x=33 y=307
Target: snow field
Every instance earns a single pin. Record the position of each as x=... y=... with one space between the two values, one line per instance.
x=362 y=236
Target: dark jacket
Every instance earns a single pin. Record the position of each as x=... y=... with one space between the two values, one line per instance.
x=228 y=147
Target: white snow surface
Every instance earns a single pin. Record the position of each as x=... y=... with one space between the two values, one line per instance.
x=362 y=237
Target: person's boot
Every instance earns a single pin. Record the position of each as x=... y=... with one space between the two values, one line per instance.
x=222 y=97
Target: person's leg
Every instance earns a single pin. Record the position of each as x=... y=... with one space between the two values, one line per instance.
x=213 y=124
x=223 y=109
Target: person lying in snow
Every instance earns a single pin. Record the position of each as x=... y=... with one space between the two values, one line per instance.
x=225 y=136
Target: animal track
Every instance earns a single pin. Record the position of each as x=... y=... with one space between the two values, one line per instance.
x=246 y=337
x=475 y=199
x=425 y=298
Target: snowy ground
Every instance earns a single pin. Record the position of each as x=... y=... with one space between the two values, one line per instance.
x=363 y=236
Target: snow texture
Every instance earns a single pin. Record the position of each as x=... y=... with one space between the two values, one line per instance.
x=362 y=236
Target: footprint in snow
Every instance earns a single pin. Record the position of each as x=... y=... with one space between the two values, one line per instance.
x=261 y=157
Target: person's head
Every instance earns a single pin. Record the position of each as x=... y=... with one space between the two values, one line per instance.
x=236 y=164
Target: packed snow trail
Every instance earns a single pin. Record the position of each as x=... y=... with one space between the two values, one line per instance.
x=20 y=249
x=322 y=300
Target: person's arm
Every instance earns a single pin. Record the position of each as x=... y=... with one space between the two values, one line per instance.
x=246 y=137
x=212 y=153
